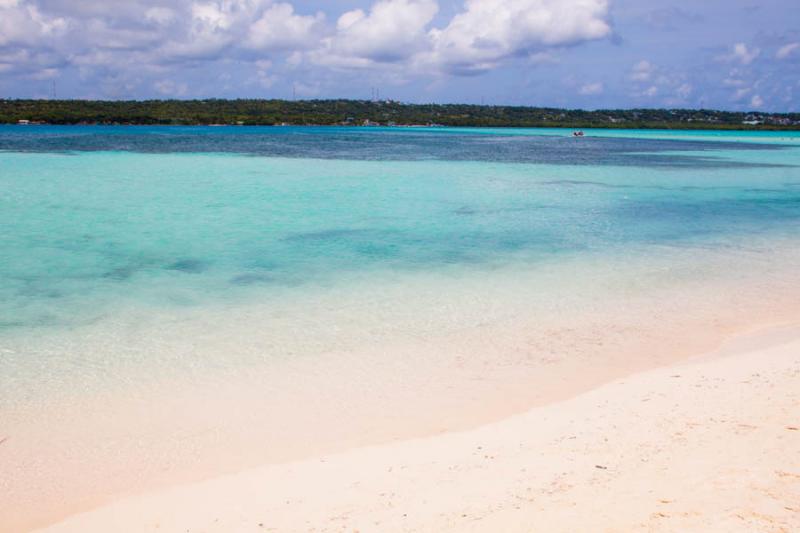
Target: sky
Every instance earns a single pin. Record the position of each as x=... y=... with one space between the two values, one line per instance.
x=591 y=54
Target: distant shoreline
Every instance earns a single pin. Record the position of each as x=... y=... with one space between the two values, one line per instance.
x=413 y=126
x=389 y=113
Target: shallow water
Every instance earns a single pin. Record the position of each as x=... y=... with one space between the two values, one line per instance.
x=135 y=261
x=173 y=221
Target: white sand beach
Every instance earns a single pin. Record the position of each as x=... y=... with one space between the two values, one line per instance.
x=399 y=266
x=709 y=444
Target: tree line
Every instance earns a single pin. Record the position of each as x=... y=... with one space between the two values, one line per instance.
x=360 y=112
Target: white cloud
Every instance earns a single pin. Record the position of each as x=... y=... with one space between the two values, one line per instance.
x=591 y=88
x=279 y=28
x=147 y=41
x=160 y=15
x=642 y=71
x=171 y=88
x=199 y=30
x=787 y=50
x=684 y=91
x=742 y=54
x=741 y=93
x=733 y=82
x=307 y=89
x=392 y=31
x=110 y=37
x=481 y=36
x=23 y=24
x=44 y=74
x=209 y=28
x=487 y=32
x=263 y=76
x=756 y=101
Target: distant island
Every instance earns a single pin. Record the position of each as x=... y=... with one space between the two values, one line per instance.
x=254 y=112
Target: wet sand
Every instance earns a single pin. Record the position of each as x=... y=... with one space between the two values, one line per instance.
x=710 y=444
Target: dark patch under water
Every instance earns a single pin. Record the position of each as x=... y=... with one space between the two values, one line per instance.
x=251 y=279
x=189 y=266
x=327 y=235
x=395 y=144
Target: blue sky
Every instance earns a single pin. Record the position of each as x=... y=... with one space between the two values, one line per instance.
x=728 y=54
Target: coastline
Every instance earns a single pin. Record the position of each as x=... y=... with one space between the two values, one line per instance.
x=497 y=288
x=565 y=127
x=712 y=443
x=218 y=112
x=492 y=363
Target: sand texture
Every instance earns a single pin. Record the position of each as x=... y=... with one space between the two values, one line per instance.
x=711 y=444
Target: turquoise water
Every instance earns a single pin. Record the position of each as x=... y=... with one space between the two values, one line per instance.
x=93 y=217
x=180 y=302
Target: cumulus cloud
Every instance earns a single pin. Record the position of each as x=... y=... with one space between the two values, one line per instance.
x=591 y=89
x=743 y=54
x=28 y=39
x=651 y=81
x=684 y=91
x=480 y=37
x=142 y=48
x=158 y=35
x=149 y=33
x=264 y=76
x=171 y=88
x=22 y=23
x=487 y=32
x=280 y=28
x=642 y=71
x=741 y=93
x=787 y=50
x=733 y=81
x=756 y=101
x=392 y=31
x=160 y=15
x=223 y=28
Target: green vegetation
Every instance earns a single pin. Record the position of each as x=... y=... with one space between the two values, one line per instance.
x=359 y=112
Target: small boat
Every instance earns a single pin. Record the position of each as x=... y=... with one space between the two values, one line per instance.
x=578 y=133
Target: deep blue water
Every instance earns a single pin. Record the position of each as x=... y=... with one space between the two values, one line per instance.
x=385 y=144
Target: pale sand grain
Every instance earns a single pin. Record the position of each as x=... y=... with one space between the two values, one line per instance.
x=711 y=444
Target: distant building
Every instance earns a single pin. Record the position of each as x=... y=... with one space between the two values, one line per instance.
x=23 y=122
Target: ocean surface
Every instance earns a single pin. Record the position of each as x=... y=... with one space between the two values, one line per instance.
x=93 y=217
x=134 y=256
